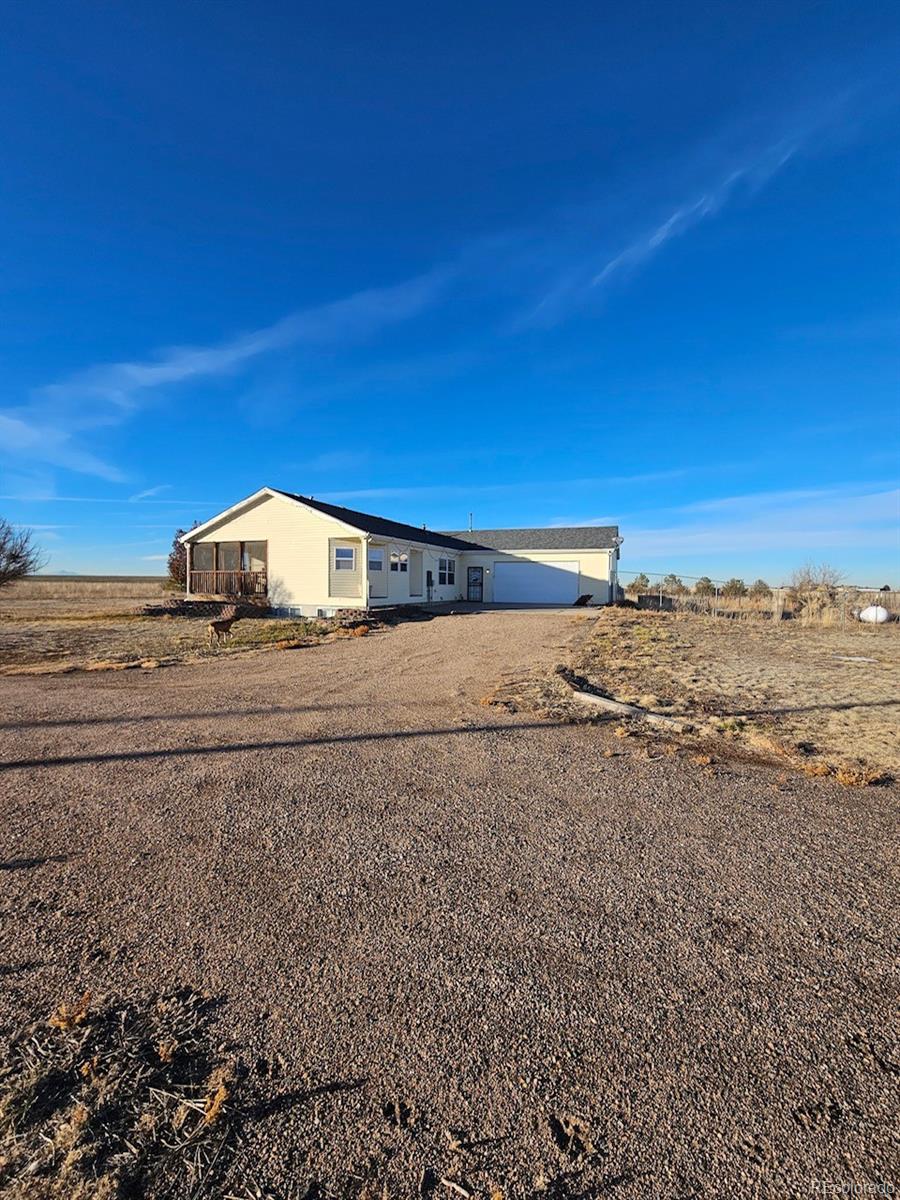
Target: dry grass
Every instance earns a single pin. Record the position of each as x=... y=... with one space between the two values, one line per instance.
x=80 y=596
x=826 y=699
x=60 y=587
x=99 y=641
x=120 y=1101
x=54 y=627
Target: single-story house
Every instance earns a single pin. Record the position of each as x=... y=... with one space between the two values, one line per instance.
x=310 y=558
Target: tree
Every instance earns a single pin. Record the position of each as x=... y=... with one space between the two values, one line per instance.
x=640 y=583
x=813 y=589
x=18 y=554
x=815 y=578
x=734 y=588
x=178 y=559
x=760 y=589
x=704 y=586
x=673 y=586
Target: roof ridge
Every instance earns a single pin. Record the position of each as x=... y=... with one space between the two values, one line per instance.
x=381 y=526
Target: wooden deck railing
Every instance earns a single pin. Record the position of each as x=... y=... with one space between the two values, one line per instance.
x=228 y=583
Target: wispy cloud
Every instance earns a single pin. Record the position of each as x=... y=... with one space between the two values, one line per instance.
x=52 y=498
x=570 y=259
x=352 y=319
x=580 y=281
x=147 y=493
x=822 y=522
x=439 y=491
x=47 y=428
x=756 y=172
x=31 y=436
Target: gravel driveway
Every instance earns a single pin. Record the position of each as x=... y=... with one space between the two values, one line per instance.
x=491 y=951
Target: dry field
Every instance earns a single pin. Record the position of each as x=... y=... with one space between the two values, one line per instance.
x=56 y=595
x=820 y=695
x=56 y=626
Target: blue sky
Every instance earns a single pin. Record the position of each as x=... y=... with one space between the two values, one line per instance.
x=548 y=264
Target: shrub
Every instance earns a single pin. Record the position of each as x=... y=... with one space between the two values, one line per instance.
x=18 y=554
x=734 y=588
x=673 y=586
x=813 y=591
x=704 y=587
x=760 y=589
x=640 y=583
x=178 y=559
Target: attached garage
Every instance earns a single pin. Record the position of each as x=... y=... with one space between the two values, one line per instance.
x=536 y=582
x=311 y=558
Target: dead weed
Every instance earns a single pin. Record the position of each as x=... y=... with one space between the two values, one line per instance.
x=103 y=1103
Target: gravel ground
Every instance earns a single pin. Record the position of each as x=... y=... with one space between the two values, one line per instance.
x=486 y=951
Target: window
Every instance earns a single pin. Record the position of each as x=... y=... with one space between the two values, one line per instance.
x=344 y=558
x=253 y=556
x=203 y=556
x=376 y=560
x=447 y=571
x=399 y=562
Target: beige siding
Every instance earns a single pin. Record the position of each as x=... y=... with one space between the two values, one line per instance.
x=400 y=583
x=301 y=568
x=345 y=584
x=593 y=569
x=298 y=549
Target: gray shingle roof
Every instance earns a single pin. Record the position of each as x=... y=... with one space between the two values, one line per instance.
x=565 y=537
x=381 y=526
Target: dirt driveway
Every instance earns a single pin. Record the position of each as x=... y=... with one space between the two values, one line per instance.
x=491 y=955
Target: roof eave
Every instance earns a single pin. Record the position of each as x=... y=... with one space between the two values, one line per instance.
x=227 y=513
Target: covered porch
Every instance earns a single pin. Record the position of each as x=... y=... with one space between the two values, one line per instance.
x=227 y=568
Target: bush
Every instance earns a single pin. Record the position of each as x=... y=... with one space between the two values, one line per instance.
x=673 y=586
x=813 y=591
x=760 y=589
x=734 y=588
x=178 y=560
x=18 y=554
x=640 y=583
x=704 y=587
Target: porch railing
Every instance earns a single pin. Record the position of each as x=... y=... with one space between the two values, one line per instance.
x=228 y=583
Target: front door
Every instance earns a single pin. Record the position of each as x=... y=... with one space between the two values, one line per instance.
x=475 y=584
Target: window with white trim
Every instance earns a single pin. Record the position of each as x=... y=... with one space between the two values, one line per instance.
x=447 y=571
x=399 y=562
x=376 y=559
x=344 y=558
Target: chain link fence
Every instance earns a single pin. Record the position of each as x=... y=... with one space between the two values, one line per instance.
x=825 y=605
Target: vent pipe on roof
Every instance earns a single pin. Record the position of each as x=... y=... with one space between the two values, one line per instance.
x=470 y=522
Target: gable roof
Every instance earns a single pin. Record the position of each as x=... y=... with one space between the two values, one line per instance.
x=571 y=537
x=381 y=526
x=564 y=537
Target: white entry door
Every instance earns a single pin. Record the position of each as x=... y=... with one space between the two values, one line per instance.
x=378 y=580
x=535 y=583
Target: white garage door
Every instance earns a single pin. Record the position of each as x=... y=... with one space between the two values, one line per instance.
x=535 y=583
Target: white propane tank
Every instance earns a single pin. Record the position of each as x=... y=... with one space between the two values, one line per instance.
x=875 y=615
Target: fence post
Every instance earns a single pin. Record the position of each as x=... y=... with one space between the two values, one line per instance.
x=716 y=602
